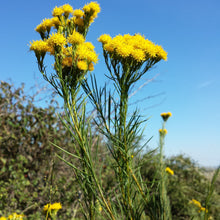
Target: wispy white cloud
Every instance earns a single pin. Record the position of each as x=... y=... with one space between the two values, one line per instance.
x=205 y=84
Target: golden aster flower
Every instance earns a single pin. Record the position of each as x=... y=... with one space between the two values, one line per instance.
x=76 y=38
x=161 y=53
x=82 y=65
x=57 y=11
x=91 y=67
x=92 y=7
x=163 y=131
x=39 y=46
x=138 y=55
x=56 y=22
x=67 y=61
x=78 y=13
x=56 y=39
x=78 y=21
x=85 y=53
x=166 y=115
x=168 y=170
x=67 y=9
x=105 y=38
x=89 y=45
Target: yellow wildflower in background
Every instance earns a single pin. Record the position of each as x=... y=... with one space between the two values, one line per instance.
x=165 y=115
x=56 y=39
x=3 y=218
x=163 y=131
x=57 y=11
x=168 y=170
x=198 y=205
x=76 y=38
x=15 y=216
x=55 y=206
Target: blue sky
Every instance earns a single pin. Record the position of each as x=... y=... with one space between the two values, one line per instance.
x=189 y=81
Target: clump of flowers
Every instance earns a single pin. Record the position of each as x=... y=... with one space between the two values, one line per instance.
x=166 y=115
x=163 y=131
x=133 y=47
x=15 y=216
x=170 y=171
x=73 y=56
x=198 y=205
x=52 y=209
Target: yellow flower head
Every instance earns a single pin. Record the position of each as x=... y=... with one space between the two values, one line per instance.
x=82 y=65
x=15 y=216
x=56 y=39
x=196 y=203
x=76 y=38
x=92 y=7
x=55 y=206
x=166 y=115
x=84 y=52
x=78 y=21
x=78 y=13
x=168 y=170
x=105 y=38
x=57 y=11
x=56 y=22
x=45 y=25
x=67 y=9
x=203 y=209
x=3 y=218
x=163 y=131
x=91 y=67
x=136 y=47
x=67 y=61
x=39 y=46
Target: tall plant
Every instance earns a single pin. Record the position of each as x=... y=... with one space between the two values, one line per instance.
x=127 y=58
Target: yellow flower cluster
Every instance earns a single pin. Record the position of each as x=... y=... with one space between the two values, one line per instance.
x=3 y=218
x=76 y=38
x=92 y=8
x=168 y=170
x=55 y=206
x=15 y=216
x=85 y=52
x=39 y=46
x=135 y=47
x=56 y=39
x=78 y=13
x=198 y=205
x=163 y=131
x=46 y=24
x=166 y=115
x=65 y=9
